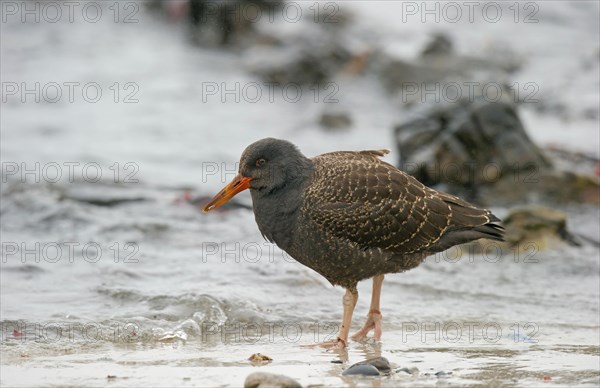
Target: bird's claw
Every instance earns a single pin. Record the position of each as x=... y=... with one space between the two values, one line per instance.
x=373 y=322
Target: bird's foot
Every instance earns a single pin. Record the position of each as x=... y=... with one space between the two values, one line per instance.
x=373 y=323
x=337 y=343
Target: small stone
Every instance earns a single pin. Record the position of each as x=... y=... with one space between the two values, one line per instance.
x=442 y=374
x=264 y=380
x=381 y=363
x=258 y=358
x=371 y=367
x=361 y=369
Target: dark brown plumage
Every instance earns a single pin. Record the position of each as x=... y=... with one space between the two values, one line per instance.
x=351 y=216
x=372 y=218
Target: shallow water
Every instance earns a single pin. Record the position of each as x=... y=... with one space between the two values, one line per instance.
x=182 y=298
x=192 y=308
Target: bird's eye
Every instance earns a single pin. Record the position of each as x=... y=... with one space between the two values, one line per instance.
x=260 y=162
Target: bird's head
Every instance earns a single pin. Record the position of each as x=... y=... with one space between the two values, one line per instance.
x=265 y=166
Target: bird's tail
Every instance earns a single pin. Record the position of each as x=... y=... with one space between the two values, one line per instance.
x=468 y=223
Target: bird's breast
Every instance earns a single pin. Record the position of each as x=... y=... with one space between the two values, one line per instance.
x=275 y=220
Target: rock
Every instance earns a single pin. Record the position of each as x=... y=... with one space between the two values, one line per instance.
x=306 y=63
x=107 y=202
x=258 y=358
x=335 y=121
x=361 y=369
x=481 y=150
x=442 y=374
x=541 y=226
x=225 y=23
x=110 y=195
x=546 y=186
x=371 y=367
x=269 y=380
x=467 y=144
x=409 y=371
x=381 y=363
x=309 y=57
x=439 y=45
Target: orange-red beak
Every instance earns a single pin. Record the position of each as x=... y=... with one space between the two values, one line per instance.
x=239 y=183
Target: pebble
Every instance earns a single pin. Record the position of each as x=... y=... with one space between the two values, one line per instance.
x=371 y=367
x=270 y=380
x=381 y=363
x=259 y=358
x=361 y=369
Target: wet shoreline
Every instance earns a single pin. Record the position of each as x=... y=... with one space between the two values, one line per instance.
x=110 y=273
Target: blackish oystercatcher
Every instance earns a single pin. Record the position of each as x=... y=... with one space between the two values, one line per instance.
x=351 y=216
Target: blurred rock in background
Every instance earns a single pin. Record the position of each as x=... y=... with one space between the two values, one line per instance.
x=544 y=227
x=226 y=23
x=335 y=121
x=447 y=75
x=481 y=150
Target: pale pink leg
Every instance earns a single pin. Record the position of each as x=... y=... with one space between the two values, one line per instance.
x=374 y=317
x=349 y=300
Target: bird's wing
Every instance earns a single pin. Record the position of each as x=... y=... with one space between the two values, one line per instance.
x=358 y=197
